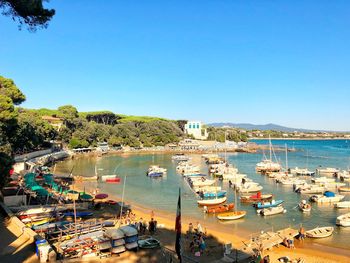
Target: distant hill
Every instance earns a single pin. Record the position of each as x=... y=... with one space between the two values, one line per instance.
x=262 y=127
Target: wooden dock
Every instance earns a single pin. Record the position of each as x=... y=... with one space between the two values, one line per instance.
x=264 y=241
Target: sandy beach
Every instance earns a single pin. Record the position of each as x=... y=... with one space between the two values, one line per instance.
x=306 y=250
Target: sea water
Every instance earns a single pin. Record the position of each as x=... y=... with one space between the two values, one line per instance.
x=162 y=193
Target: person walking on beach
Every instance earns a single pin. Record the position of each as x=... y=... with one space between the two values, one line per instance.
x=151 y=227
x=190 y=230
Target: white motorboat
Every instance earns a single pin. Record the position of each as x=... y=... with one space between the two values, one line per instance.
x=320 y=232
x=343 y=204
x=180 y=157
x=201 y=182
x=332 y=185
x=322 y=180
x=328 y=170
x=272 y=211
x=327 y=197
x=302 y=171
x=233 y=177
x=209 y=202
x=250 y=188
x=344 y=175
x=343 y=220
x=311 y=189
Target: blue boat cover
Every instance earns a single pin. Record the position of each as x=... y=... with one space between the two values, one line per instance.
x=329 y=194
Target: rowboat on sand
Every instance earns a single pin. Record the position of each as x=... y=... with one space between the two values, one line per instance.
x=320 y=232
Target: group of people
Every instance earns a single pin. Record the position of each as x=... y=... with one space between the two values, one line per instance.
x=142 y=225
x=197 y=235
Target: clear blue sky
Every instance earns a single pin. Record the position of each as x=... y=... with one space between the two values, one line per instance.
x=285 y=62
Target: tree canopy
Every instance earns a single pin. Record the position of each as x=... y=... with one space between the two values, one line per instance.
x=29 y=12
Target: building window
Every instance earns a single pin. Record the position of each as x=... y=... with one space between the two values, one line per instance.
x=197 y=125
x=189 y=126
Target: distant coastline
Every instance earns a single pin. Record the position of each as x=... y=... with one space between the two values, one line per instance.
x=301 y=139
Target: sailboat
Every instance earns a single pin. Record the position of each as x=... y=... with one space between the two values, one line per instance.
x=232 y=215
x=267 y=165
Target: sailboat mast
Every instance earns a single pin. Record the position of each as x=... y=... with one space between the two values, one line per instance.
x=225 y=149
x=270 y=147
x=286 y=157
x=121 y=210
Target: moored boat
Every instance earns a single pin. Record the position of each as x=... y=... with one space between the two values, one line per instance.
x=273 y=203
x=234 y=215
x=320 y=232
x=343 y=220
x=304 y=206
x=344 y=189
x=272 y=211
x=258 y=197
x=327 y=197
x=219 y=209
x=343 y=204
x=215 y=201
x=327 y=170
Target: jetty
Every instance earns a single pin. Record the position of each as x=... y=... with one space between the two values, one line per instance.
x=259 y=243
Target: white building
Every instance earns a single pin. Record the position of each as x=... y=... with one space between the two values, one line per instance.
x=195 y=128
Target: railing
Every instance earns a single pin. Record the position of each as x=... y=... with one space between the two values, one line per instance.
x=169 y=256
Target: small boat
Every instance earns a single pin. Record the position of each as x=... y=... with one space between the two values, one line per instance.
x=156 y=171
x=272 y=211
x=258 y=197
x=302 y=171
x=180 y=157
x=309 y=189
x=234 y=215
x=212 y=194
x=344 y=189
x=344 y=204
x=219 y=209
x=343 y=220
x=251 y=188
x=48 y=226
x=148 y=243
x=104 y=178
x=327 y=197
x=273 y=203
x=115 y=180
x=322 y=180
x=40 y=222
x=304 y=206
x=215 y=201
x=320 y=232
x=202 y=182
x=327 y=170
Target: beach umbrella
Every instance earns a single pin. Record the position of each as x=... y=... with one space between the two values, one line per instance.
x=101 y=196
x=86 y=197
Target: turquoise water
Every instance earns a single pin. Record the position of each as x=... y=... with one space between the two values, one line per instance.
x=162 y=193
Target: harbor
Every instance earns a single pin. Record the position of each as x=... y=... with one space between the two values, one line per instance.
x=97 y=204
